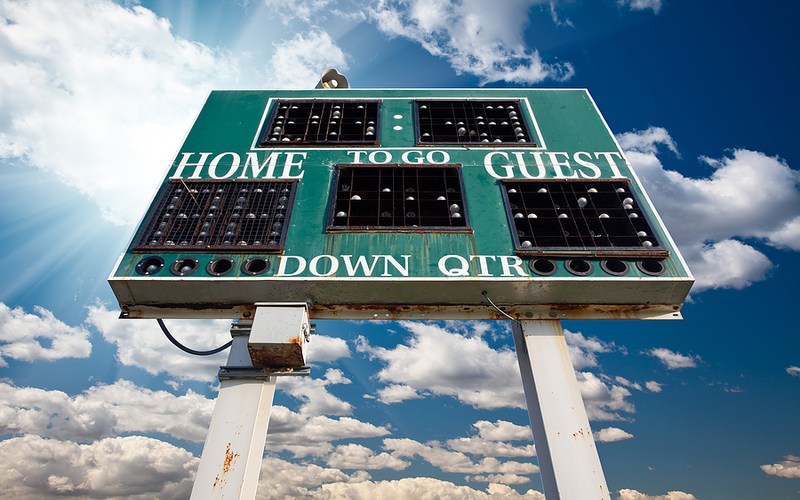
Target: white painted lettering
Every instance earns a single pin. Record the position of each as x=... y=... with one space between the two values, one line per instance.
x=586 y=164
x=462 y=269
x=284 y=263
x=483 y=261
x=212 y=169
x=313 y=266
x=488 y=164
x=401 y=268
x=361 y=263
x=558 y=166
x=523 y=168
x=611 y=163
x=290 y=162
x=255 y=169
x=198 y=166
x=431 y=159
x=511 y=262
x=356 y=155
x=373 y=157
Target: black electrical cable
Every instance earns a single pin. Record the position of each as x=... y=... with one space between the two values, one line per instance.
x=186 y=349
x=486 y=295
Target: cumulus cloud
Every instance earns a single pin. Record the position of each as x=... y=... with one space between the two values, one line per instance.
x=324 y=349
x=314 y=394
x=356 y=456
x=790 y=467
x=435 y=361
x=103 y=411
x=141 y=343
x=421 y=487
x=611 y=434
x=487 y=43
x=749 y=195
x=625 y=494
x=39 y=336
x=311 y=435
x=603 y=401
x=454 y=461
x=281 y=479
x=653 y=386
x=583 y=351
x=654 y=5
x=673 y=360
x=298 y=63
x=397 y=393
x=93 y=82
x=32 y=467
x=794 y=371
x=492 y=440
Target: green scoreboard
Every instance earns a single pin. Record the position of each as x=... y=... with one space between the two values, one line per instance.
x=402 y=204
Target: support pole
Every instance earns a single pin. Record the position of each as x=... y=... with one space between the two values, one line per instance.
x=568 y=459
x=231 y=460
x=271 y=345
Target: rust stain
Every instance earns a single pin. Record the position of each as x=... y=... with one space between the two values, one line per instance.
x=295 y=340
x=227 y=464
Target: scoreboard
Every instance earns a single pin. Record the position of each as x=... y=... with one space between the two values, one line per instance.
x=402 y=204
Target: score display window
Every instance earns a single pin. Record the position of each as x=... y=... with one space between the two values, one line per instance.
x=566 y=217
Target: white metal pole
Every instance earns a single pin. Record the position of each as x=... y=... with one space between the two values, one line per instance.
x=234 y=447
x=568 y=460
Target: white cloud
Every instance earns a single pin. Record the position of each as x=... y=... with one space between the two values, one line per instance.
x=420 y=487
x=582 y=350
x=102 y=411
x=356 y=456
x=499 y=478
x=603 y=402
x=454 y=461
x=625 y=494
x=748 y=196
x=99 y=95
x=281 y=479
x=396 y=393
x=502 y=430
x=487 y=43
x=324 y=349
x=793 y=370
x=440 y=363
x=314 y=394
x=728 y=264
x=789 y=468
x=32 y=467
x=611 y=434
x=305 y=435
x=436 y=362
x=300 y=9
x=653 y=386
x=673 y=360
x=654 y=5
x=491 y=440
x=627 y=383
x=39 y=337
x=298 y=63
x=141 y=343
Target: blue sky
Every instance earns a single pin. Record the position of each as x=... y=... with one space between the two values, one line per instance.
x=96 y=97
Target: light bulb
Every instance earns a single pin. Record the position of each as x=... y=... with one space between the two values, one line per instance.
x=582 y=202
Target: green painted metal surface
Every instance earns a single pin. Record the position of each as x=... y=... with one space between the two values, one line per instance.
x=357 y=270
